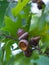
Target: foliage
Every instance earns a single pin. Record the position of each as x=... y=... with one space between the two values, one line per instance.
x=15 y=15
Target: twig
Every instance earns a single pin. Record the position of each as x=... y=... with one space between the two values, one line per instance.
x=7 y=36
x=37 y=48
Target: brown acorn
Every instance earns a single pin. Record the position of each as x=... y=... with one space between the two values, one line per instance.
x=40 y=5
x=23 y=36
x=28 y=52
x=38 y=1
x=34 y=41
x=20 y=32
x=34 y=1
x=23 y=44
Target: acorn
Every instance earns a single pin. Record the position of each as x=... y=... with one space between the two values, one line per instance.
x=38 y=1
x=40 y=5
x=23 y=36
x=23 y=44
x=28 y=52
x=34 y=1
x=34 y=41
x=20 y=32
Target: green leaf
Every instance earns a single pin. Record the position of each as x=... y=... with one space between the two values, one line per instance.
x=35 y=55
x=8 y=51
x=3 y=6
x=8 y=11
x=45 y=40
x=11 y=26
x=38 y=25
x=42 y=61
x=19 y=7
x=7 y=47
x=27 y=26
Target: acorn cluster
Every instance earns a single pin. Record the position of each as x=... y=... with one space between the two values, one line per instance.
x=40 y=4
x=26 y=45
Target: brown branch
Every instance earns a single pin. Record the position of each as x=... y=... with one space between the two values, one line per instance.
x=7 y=36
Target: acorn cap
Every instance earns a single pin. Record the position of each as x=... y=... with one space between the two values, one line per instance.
x=20 y=32
x=23 y=44
x=39 y=1
x=23 y=36
x=28 y=52
x=40 y=4
x=36 y=38
x=34 y=41
x=34 y=1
